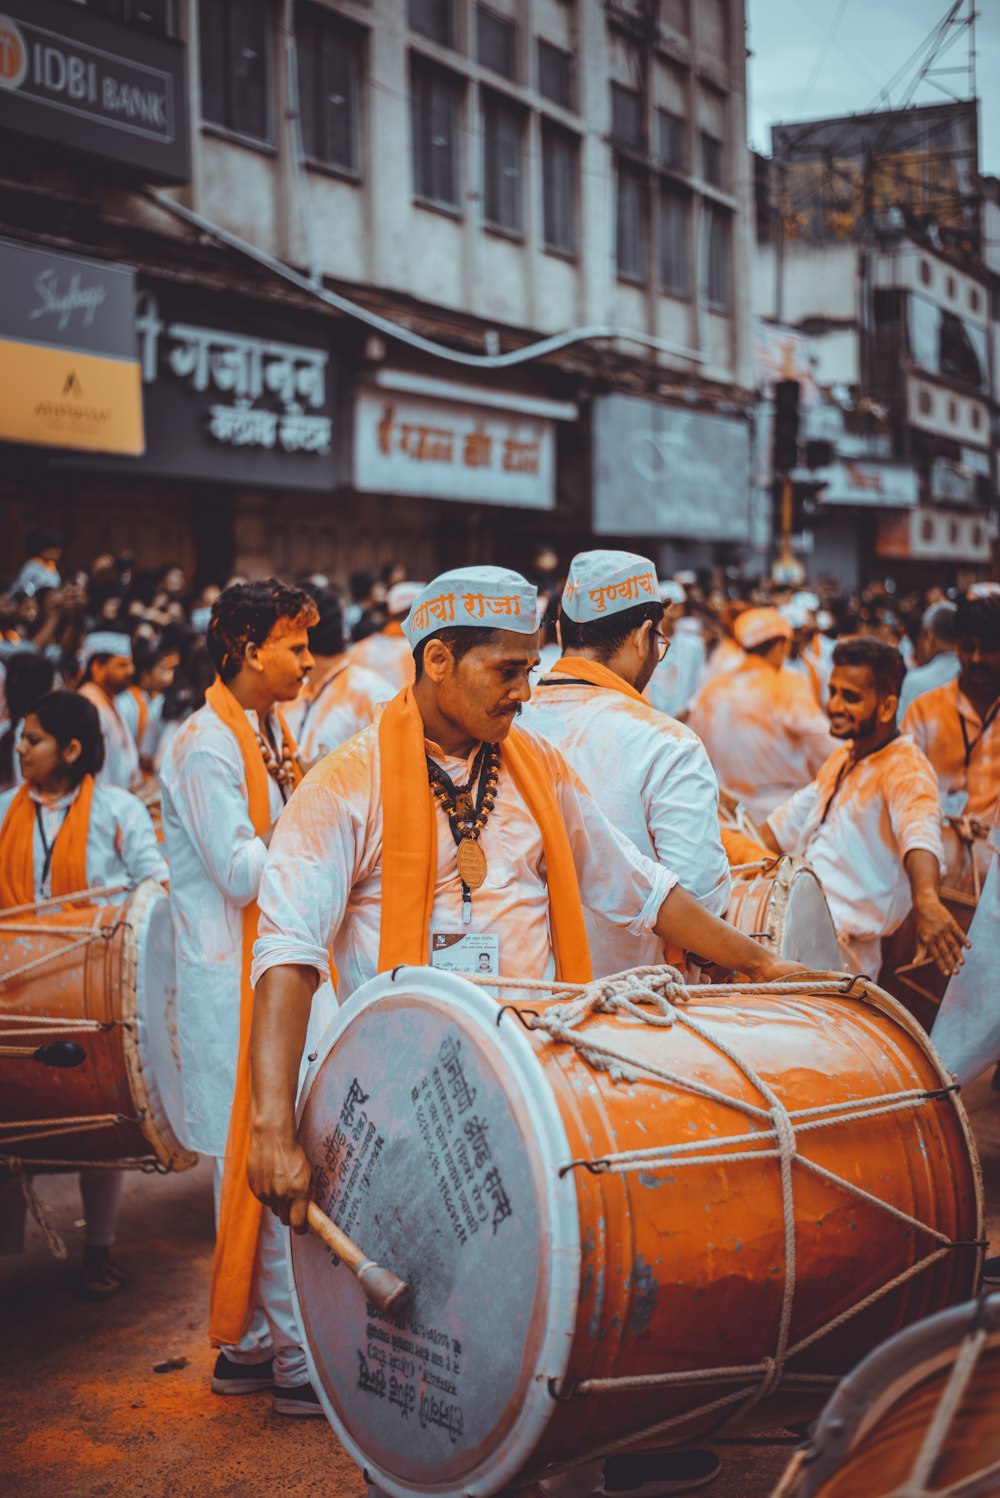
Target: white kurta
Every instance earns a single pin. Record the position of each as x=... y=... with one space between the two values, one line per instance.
x=884 y=806
x=943 y=668
x=388 y=654
x=322 y=884
x=128 y=707
x=651 y=778
x=216 y=860
x=339 y=707
x=121 y=843
x=121 y=753
x=675 y=680
x=966 y=1033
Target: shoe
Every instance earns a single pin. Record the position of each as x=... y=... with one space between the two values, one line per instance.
x=656 y=1473
x=241 y=1378
x=101 y=1278
x=297 y=1399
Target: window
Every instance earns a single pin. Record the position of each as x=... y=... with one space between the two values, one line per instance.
x=626 y=117
x=503 y=128
x=436 y=103
x=432 y=18
x=555 y=74
x=670 y=140
x=718 y=227
x=976 y=417
x=925 y=402
x=711 y=160
x=973 y=299
x=674 y=227
x=953 y=412
x=631 y=223
x=236 y=66
x=950 y=288
x=145 y=15
x=926 y=274
x=329 y=70
x=496 y=43
x=560 y=154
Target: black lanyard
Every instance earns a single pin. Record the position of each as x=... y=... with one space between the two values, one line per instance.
x=337 y=671
x=971 y=745
x=845 y=770
x=564 y=681
x=49 y=847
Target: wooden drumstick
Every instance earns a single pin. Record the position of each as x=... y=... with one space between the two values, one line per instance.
x=383 y=1287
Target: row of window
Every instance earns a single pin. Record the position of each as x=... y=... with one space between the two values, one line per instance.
x=653 y=216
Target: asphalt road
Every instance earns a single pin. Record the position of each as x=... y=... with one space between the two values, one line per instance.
x=86 y=1414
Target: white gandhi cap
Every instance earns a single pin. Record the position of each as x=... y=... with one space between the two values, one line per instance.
x=106 y=642
x=608 y=582
x=473 y=598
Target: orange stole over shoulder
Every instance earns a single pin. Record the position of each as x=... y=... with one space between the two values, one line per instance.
x=409 y=845
x=234 y=1264
x=142 y=722
x=69 y=852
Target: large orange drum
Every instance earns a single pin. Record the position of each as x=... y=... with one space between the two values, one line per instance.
x=101 y=976
x=920 y=1415
x=782 y=906
x=632 y=1226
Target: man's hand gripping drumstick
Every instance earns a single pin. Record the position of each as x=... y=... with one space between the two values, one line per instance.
x=278 y=1169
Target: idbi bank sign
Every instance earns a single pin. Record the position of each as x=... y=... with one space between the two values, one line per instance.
x=69 y=357
x=80 y=81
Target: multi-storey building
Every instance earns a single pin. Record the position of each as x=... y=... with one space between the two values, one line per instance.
x=422 y=278
x=880 y=265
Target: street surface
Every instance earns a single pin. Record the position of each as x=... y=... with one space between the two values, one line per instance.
x=85 y=1414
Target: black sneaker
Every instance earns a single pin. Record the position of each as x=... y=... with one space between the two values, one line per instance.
x=655 y=1474
x=101 y=1278
x=241 y=1378
x=297 y=1399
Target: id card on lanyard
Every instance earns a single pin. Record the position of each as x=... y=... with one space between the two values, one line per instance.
x=466 y=952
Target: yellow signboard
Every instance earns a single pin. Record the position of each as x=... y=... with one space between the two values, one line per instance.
x=57 y=398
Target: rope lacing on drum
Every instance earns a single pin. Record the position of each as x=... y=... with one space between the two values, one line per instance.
x=662 y=990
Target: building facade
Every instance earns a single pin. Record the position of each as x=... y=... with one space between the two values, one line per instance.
x=370 y=247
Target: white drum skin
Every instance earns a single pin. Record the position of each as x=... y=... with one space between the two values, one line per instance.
x=784 y=908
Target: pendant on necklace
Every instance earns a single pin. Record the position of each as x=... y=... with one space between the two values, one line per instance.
x=471 y=863
x=465 y=811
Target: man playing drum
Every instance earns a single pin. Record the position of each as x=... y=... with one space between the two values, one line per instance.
x=870 y=821
x=765 y=733
x=225 y=780
x=649 y=774
x=437 y=835
x=62 y=831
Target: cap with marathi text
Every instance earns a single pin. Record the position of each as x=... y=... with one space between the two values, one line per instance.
x=106 y=642
x=758 y=626
x=401 y=595
x=473 y=598
x=608 y=582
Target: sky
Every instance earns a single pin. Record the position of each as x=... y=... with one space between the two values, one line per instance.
x=813 y=58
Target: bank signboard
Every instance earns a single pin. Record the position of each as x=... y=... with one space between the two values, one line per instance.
x=73 y=78
x=69 y=365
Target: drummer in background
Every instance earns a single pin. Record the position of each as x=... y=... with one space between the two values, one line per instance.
x=62 y=831
x=141 y=704
x=957 y=725
x=765 y=733
x=937 y=652
x=367 y=858
x=674 y=682
x=225 y=781
x=870 y=822
x=108 y=670
x=648 y=774
x=340 y=696
x=387 y=652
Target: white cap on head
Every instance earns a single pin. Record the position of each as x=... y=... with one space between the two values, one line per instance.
x=806 y=600
x=473 y=598
x=797 y=615
x=983 y=590
x=758 y=626
x=671 y=591
x=687 y=578
x=401 y=595
x=105 y=642
x=608 y=582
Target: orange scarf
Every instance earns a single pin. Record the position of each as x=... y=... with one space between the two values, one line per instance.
x=69 y=852
x=409 y=844
x=235 y=1263
x=597 y=675
x=142 y=723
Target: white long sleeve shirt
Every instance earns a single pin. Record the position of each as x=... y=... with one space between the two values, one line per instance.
x=322 y=884
x=333 y=710
x=855 y=823
x=675 y=681
x=121 y=843
x=651 y=778
x=121 y=753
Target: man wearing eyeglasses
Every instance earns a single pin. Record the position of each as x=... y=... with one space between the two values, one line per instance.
x=648 y=773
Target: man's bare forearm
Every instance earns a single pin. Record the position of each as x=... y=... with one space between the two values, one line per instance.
x=282 y=1002
x=682 y=922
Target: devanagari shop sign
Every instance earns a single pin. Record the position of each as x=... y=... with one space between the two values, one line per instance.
x=437 y=449
x=69 y=367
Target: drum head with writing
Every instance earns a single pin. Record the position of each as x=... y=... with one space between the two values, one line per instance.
x=435 y=1145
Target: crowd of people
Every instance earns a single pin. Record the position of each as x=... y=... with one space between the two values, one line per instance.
x=554 y=792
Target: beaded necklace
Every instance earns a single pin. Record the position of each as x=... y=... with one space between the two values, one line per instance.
x=467 y=819
x=282 y=771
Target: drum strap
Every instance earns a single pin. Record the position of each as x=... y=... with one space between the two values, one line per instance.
x=971 y=744
x=846 y=769
x=47 y=846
